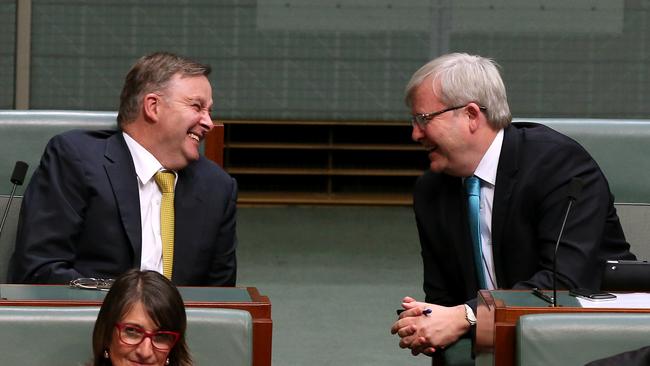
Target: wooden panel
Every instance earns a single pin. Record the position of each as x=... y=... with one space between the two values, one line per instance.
x=214 y=144
x=323 y=162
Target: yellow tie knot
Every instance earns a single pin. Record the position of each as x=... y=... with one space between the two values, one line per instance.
x=165 y=181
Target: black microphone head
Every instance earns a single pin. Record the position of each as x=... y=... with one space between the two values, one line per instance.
x=575 y=188
x=20 y=170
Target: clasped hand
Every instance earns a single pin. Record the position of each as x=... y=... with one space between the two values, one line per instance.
x=424 y=333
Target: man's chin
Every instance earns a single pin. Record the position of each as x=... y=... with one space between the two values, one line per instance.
x=436 y=167
x=192 y=154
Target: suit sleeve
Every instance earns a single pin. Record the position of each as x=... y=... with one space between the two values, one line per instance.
x=223 y=271
x=441 y=219
x=435 y=287
x=51 y=217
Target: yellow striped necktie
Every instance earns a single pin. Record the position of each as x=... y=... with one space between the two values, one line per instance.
x=165 y=181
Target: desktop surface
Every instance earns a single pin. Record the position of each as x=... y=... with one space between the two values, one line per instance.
x=11 y=292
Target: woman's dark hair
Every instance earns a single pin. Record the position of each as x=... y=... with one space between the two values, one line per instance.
x=163 y=304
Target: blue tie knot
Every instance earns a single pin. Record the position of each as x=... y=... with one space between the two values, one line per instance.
x=473 y=185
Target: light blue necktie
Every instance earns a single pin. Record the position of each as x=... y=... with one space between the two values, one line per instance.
x=473 y=186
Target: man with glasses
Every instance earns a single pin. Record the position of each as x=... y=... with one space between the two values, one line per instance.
x=489 y=210
x=142 y=196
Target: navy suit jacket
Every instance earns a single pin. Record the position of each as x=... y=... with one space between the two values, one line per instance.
x=80 y=216
x=639 y=357
x=530 y=199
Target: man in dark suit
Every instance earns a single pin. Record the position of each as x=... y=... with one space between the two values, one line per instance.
x=92 y=208
x=461 y=116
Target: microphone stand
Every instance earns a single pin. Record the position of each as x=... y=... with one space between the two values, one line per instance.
x=557 y=245
x=17 y=178
x=574 y=189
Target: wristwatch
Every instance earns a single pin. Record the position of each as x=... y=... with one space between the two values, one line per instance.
x=469 y=315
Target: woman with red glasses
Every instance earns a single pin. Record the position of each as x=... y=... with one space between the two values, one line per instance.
x=141 y=322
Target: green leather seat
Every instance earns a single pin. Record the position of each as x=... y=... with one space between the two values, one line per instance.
x=621 y=148
x=578 y=338
x=8 y=237
x=52 y=336
x=24 y=134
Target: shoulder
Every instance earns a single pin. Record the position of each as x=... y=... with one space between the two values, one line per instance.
x=527 y=141
x=80 y=143
x=205 y=170
x=538 y=134
x=82 y=138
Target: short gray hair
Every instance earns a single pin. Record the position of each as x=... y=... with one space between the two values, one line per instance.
x=462 y=79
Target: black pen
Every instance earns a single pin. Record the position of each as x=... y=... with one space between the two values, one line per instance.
x=539 y=293
x=425 y=312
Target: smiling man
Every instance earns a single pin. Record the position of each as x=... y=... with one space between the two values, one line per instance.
x=93 y=207
x=489 y=210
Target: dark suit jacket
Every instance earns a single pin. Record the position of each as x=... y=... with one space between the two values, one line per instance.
x=530 y=199
x=81 y=216
x=639 y=357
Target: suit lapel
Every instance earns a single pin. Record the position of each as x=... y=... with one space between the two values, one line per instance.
x=505 y=183
x=188 y=219
x=123 y=179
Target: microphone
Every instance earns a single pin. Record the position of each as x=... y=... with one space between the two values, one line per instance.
x=17 y=178
x=575 y=187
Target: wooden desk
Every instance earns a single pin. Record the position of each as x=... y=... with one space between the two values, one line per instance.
x=248 y=299
x=497 y=315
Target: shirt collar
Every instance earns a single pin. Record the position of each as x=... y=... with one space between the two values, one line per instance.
x=146 y=165
x=487 y=168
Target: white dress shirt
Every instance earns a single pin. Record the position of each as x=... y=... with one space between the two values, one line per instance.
x=146 y=166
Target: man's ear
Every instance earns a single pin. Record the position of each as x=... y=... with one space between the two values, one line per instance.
x=151 y=107
x=474 y=115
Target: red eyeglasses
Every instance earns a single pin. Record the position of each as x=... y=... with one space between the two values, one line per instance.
x=133 y=335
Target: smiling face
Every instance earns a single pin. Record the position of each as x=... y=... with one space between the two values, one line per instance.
x=183 y=120
x=122 y=354
x=445 y=136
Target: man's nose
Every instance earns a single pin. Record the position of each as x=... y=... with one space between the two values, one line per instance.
x=206 y=121
x=416 y=133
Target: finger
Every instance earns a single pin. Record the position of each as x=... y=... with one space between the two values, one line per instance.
x=420 y=345
x=429 y=351
x=410 y=312
x=408 y=299
x=399 y=324
x=407 y=341
x=407 y=331
x=410 y=304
